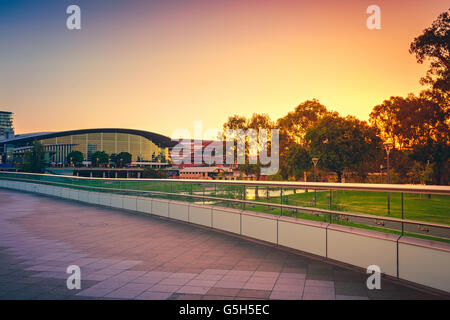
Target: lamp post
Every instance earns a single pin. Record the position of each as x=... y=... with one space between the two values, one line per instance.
x=315 y=160
x=388 y=147
x=381 y=173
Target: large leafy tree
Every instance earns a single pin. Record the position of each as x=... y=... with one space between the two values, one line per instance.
x=99 y=158
x=411 y=120
x=434 y=45
x=436 y=153
x=256 y=122
x=293 y=126
x=122 y=159
x=298 y=161
x=343 y=143
x=75 y=158
x=34 y=159
x=418 y=125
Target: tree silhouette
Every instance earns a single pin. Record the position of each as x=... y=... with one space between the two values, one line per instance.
x=434 y=45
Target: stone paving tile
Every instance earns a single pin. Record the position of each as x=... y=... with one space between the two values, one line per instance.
x=247 y=293
x=164 y=288
x=126 y=256
x=201 y=283
x=212 y=297
x=231 y=292
x=183 y=296
x=194 y=289
x=174 y=281
x=230 y=284
x=318 y=290
x=288 y=287
x=319 y=283
x=285 y=295
x=128 y=291
x=110 y=283
x=207 y=277
x=95 y=292
x=259 y=285
x=149 y=295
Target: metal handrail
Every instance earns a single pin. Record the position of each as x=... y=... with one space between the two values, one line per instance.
x=406 y=188
x=249 y=202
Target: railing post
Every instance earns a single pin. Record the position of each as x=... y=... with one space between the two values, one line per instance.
x=331 y=199
x=389 y=203
x=403 y=229
x=315 y=198
x=281 y=200
x=244 y=197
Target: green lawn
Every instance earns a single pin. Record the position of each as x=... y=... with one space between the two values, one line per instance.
x=435 y=209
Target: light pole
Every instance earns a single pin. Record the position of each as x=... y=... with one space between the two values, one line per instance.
x=315 y=160
x=388 y=147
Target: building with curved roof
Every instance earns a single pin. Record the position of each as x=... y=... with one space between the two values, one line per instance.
x=142 y=145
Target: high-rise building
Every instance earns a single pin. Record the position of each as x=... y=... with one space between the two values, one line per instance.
x=6 y=122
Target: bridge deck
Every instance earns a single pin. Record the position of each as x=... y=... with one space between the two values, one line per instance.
x=131 y=256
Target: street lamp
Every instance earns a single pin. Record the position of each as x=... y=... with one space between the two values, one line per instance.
x=388 y=147
x=315 y=160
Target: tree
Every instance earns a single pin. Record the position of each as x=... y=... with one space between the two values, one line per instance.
x=122 y=159
x=420 y=124
x=298 y=160
x=161 y=157
x=256 y=122
x=75 y=158
x=411 y=120
x=99 y=157
x=34 y=159
x=343 y=143
x=434 y=45
x=293 y=126
x=436 y=153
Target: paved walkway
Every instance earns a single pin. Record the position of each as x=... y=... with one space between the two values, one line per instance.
x=132 y=256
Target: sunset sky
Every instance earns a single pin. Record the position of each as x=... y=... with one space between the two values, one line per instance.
x=160 y=65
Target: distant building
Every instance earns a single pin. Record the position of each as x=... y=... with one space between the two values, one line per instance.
x=197 y=150
x=206 y=173
x=6 y=123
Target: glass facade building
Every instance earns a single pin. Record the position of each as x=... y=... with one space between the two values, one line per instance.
x=142 y=145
